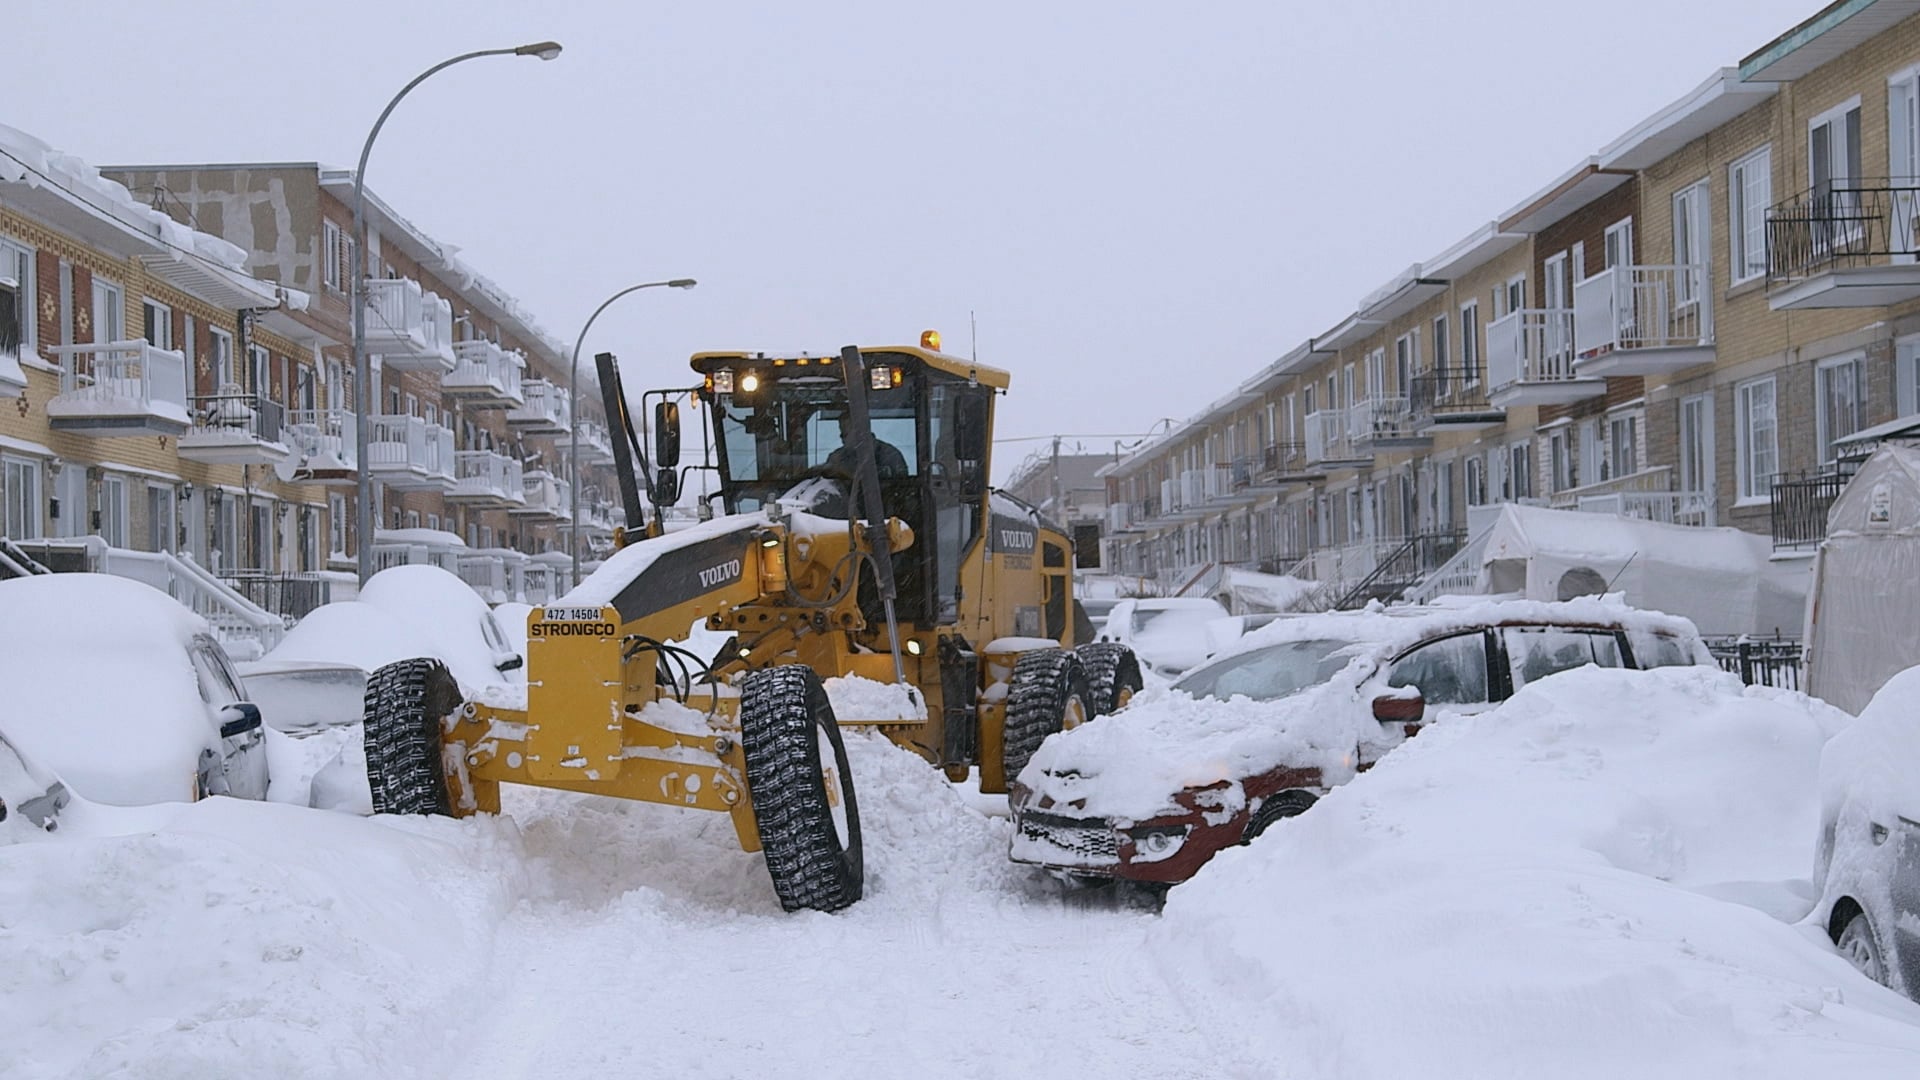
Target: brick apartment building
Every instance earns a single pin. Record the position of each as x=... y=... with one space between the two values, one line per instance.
x=175 y=348
x=1705 y=322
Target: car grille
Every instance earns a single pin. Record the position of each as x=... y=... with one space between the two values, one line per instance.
x=1055 y=840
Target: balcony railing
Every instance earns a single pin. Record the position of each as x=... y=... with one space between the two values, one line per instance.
x=1530 y=345
x=1380 y=420
x=120 y=388
x=1800 y=506
x=323 y=447
x=1643 y=307
x=486 y=477
x=485 y=375
x=1648 y=495
x=545 y=411
x=236 y=428
x=1451 y=395
x=1329 y=438
x=596 y=446
x=1865 y=223
x=494 y=573
x=547 y=496
x=411 y=330
x=407 y=452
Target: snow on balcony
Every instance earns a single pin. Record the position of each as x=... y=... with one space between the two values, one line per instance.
x=235 y=427
x=486 y=478
x=120 y=388
x=547 y=497
x=1384 y=422
x=322 y=447
x=408 y=454
x=485 y=376
x=1329 y=440
x=408 y=329
x=545 y=411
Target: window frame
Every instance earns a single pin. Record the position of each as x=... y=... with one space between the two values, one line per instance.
x=1752 y=490
x=1823 y=437
x=1743 y=216
x=30 y=504
x=1470 y=343
x=1488 y=684
x=157 y=314
x=25 y=270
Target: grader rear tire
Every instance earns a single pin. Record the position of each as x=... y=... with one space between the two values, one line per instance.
x=802 y=789
x=405 y=704
x=1113 y=675
x=1048 y=693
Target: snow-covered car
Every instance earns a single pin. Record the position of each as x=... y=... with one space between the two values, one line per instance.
x=403 y=612
x=300 y=697
x=1300 y=706
x=30 y=797
x=123 y=694
x=1868 y=861
x=1168 y=635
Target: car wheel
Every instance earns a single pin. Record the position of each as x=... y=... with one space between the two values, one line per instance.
x=1861 y=948
x=1277 y=807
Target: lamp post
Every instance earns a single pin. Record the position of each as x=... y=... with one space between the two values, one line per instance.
x=362 y=377
x=573 y=403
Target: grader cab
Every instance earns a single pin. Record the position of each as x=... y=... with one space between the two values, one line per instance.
x=857 y=541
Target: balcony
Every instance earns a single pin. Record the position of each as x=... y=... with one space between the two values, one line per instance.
x=1530 y=360
x=547 y=497
x=1285 y=463
x=487 y=480
x=322 y=447
x=1385 y=423
x=1845 y=247
x=1800 y=506
x=596 y=446
x=1643 y=320
x=1121 y=519
x=120 y=388
x=1330 y=442
x=494 y=573
x=485 y=376
x=409 y=330
x=236 y=428
x=545 y=410
x=408 y=454
x=417 y=547
x=559 y=574
x=1647 y=495
x=1454 y=399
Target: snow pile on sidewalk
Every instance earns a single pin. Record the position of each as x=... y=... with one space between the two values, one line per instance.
x=228 y=938
x=1541 y=890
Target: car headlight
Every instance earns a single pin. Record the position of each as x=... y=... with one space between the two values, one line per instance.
x=1158 y=842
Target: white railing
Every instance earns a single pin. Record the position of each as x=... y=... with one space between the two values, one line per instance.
x=486 y=474
x=119 y=378
x=408 y=444
x=1170 y=496
x=1530 y=345
x=1642 y=307
x=546 y=494
x=494 y=573
x=1329 y=436
x=596 y=446
x=482 y=365
x=245 y=628
x=436 y=327
x=409 y=548
x=1120 y=517
x=324 y=439
x=395 y=314
x=1380 y=418
x=1458 y=576
x=536 y=583
x=545 y=407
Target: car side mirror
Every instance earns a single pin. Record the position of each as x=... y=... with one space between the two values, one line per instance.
x=1400 y=707
x=666 y=434
x=511 y=663
x=239 y=718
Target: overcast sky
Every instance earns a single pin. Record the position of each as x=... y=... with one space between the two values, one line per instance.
x=1144 y=203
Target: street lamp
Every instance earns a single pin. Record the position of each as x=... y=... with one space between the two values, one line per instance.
x=573 y=403
x=362 y=377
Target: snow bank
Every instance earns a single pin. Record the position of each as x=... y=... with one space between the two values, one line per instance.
x=99 y=688
x=226 y=938
x=1876 y=761
x=857 y=698
x=1529 y=892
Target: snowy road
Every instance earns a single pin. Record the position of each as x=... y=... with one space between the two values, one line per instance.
x=649 y=938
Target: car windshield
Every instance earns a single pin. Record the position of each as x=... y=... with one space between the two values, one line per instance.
x=1270 y=673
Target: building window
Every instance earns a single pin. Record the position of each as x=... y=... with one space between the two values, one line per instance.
x=159 y=323
x=109 y=312
x=1591 y=466
x=1749 y=193
x=1756 y=436
x=333 y=256
x=1440 y=352
x=163 y=523
x=16 y=300
x=113 y=511
x=1560 y=460
x=1833 y=149
x=1516 y=294
x=1470 y=342
x=1840 y=386
x=22 y=478
x=1623 y=444
x=337 y=525
x=1696 y=444
x=1476 y=481
x=258 y=367
x=1619 y=243
x=1690 y=242
x=222 y=347
x=1520 y=470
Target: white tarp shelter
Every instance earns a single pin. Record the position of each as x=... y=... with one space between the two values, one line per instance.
x=1723 y=579
x=1863 y=625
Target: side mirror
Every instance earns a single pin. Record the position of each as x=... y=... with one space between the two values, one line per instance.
x=970 y=427
x=239 y=718
x=666 y=488
x=666 y=434
x=1400 y=708
x=513 y=662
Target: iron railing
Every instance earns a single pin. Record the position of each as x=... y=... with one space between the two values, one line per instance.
x=1449 y=391
x=1833 y=226
x=291 y=596
x=1800 y=506
x=1777 y=661
x=1403 y=567
x=236 y=414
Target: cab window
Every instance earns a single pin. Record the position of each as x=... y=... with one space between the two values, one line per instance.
x=1652 y=649
x=1450 y=671
x=1535 y=652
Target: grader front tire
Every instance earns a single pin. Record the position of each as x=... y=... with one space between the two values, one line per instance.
x=802 y=789
x=1113 y=675
x=1048 y=693
x=405 y=704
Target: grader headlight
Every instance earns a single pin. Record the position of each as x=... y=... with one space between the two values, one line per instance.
x=721 y=381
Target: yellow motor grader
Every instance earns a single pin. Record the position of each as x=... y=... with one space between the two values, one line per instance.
x=858 y=537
